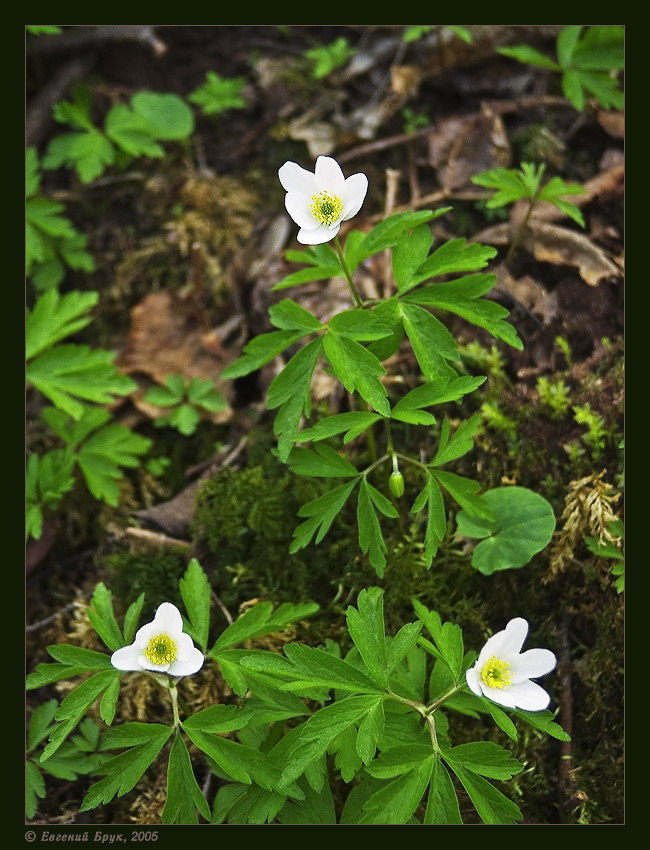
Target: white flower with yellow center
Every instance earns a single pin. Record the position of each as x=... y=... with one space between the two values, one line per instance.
x=319 y=202
x=161 y=647
x=502 y=672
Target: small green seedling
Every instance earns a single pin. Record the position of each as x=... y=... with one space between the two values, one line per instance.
x=586 y=61
x=327 y=58
x=606 y=549
x=218 y=95
x=185 y=416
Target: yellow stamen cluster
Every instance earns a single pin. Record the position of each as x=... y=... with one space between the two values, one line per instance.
x=495 y=673
x=326 y=208
x=160 y=650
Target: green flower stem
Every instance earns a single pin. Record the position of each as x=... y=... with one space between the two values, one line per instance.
x=355 y=295
x=174 y=695
x=435 y=705
x=520 y=230
x=424 y=712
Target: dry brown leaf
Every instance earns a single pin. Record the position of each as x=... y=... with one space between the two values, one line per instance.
x=551 y=243
x=462 y=147
x=167 y=337
x=528 y=292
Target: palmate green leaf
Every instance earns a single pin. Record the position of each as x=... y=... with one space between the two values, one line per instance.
x=75 y=705
x=366 y=628
x=321 y=513
x=400 y=648
x=485 y=758
x=442 y=802
x=529 y=55
x=103 y=453
x=500 y=717
x=261 y=350
x=460 y=442
x=463 y=297
x=55 y=317
x=88 y=152
x=195 y=592
x=167 y=116
x=67 y=373
x=399 y=759
x=522 y=524
x=72 y=660
x=218 y=95
x=353 y=423
x=397 y=801
x=145 y=740
x=491 y=805
x=433 y=392
x=102 y=618
x=346 y=758
x=40 y=722
x=183 y=793
x=34 y=788
x=261 y=619
x=47 y=480
x=357 y=369
x=388 y=313
x=130 y=131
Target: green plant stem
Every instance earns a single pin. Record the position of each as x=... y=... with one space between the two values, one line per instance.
x=344 y=266
x=435 y=705
x=174 y=696
x=520 y=230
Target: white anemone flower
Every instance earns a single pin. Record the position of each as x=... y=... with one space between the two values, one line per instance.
x=502 y=672
x=319 y=202
x=161 y=647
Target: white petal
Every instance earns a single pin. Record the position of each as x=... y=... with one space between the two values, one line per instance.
x=168 y=619
x=126 y=658
x=190 y=663
x=329 y=176
x=513 y=639
x=318 y=236
x=531 y=664
x=354 y=195
x=472 y=680
x=529 y=696
x=297 y=206
x=184 y=646
x=502 y=696
x=297 y=179
x=145 y=664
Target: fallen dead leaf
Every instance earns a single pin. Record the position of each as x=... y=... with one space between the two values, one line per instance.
x=168 y=337
x=528 y=292
x=551 y=243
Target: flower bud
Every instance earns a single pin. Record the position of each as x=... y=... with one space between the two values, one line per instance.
x=396 y=484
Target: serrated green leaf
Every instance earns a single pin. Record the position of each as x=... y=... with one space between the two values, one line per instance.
x=260 y=350
x=528 y=55
x=317 y=807
x=195 y=592
x=316 y=666
x=183 y=793
x=167 y=116
x=123 y=771
x=408 y=255
x=464 y=491
x=55 y=317
x=288 y=316
x=317 y=272
x=66 y=373
x=353 y=423
x=442 y=802
x=75 y=705
x=371 y=539
x=40 y=722
x=102 y=617
x=366 y=628
x=79 y=656
x=103 y=453
x=358 y=324
x=322 y=462
x=401 y=645
x=397 y=801
x=436 y=516
x=485 y=758
x=87 y=152
x=357 y=369
x=370 y=732
x=261 y=620
x=492 y=806
x=432 y=343
x=544 y=721
x=460 y=442
x=321 y=512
